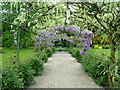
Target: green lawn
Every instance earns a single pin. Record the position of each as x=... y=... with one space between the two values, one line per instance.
x=9 y=53
x=102 y=51
x=28 y=52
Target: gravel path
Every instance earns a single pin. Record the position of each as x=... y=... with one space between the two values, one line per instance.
x=63 y=71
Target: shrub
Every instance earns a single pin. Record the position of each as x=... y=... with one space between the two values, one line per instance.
x=100 y=47
x=43 y=55
x=27 y=73
x=49 y=52
x=11 y=79
x=53 y=50
x=72 y=52
x=117 y=79
x=95 y=65
x=96 y=47
x=37 y=64
x=21 y=74
x=76 y=53
x=106 y=47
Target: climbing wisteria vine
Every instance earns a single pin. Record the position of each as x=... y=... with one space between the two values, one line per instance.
x=48 y=37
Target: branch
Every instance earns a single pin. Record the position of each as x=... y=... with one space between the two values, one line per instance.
x=102 y=24
x=39 y=16
x=31 y=11
x=90 y=23
x=13 y=24
x=79 y=17
x=54 y=19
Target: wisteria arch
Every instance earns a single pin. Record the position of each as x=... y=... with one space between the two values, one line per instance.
x=47 y=37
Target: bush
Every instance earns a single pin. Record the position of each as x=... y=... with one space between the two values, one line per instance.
x=37 y=64
x=49 y=52
x=27 y=73
x=96 y=66
x=53 y=50
x=96 y=47
x=106 y=47
x=118 y=79
x=43 y=55
x=73 y=52
x=21 y=74
x=11 y=79
x=76 y=53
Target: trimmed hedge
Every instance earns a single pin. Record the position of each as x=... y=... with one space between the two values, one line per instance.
x=21 y=74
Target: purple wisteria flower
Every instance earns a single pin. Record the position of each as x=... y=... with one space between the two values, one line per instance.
x=48 y=37
x=52 y=29
x=87 y=34
x=59 y=27
x=83 y=51
x=49 y=44
x=84 y=39
x=85 y=46
x=74 y=29
x=64 y=38
x=90 y=34
x=88 y=42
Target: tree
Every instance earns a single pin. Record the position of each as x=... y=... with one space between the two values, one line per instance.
x=105 y=17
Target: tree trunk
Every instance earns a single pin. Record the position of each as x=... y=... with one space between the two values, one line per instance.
x=112 y=64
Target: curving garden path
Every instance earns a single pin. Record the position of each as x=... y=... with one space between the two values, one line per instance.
x=63 y=71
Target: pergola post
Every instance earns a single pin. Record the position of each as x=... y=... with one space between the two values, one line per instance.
x=67 y=15
x=16 y=44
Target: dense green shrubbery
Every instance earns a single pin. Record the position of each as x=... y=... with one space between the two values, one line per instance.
x=21 y=74
x=76 y=53
x=26 y=72
x=95 y=66
x=118 y=79
x=43 y=56
x=37 y=64
x=11 y=78
x=49 y=52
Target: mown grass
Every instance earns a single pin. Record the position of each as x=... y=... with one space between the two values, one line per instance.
x=105 y=52
x=28 y=52
x=96 y=51
x=8 y=53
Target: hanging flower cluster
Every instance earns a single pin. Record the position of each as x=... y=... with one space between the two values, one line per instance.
x=57 y=28
x=84 y=34
x=44 y=38
x=48 y=37
x=85 y=38
x=63 y=36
